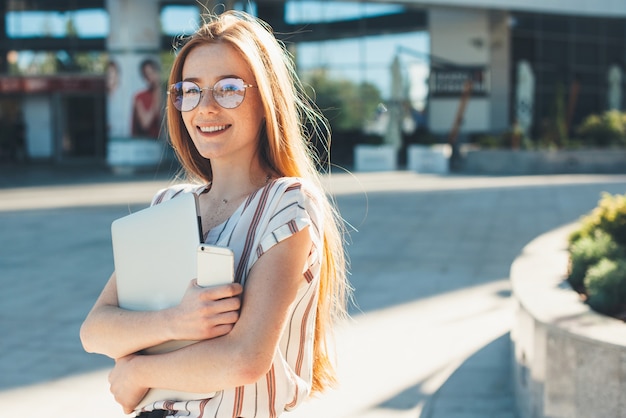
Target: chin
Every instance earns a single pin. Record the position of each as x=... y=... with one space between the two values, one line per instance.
x=207 y=151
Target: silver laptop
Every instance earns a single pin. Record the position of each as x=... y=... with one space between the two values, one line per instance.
x=155 y=256
x=154 y=251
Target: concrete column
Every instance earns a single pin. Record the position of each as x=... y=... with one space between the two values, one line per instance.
x=40 y=120
x=134 y=36
x=4 y=65
x=135 y=98
x=500 y=70
x=476 y=39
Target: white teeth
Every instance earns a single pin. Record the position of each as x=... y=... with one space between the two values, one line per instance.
x=209 y=129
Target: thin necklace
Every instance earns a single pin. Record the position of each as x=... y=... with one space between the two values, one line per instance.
x=267 y=179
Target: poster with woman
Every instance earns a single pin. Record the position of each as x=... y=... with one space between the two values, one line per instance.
x=118 y=111
x=148 y=102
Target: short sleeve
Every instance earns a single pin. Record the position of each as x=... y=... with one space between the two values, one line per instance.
x=173 y=191
x=298 y=207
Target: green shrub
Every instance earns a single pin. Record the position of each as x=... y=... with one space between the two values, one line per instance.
x=608 y=216
x=597 y=250
x=606 y=286
x=604 y=130
x=491 y=142
x=586 y=252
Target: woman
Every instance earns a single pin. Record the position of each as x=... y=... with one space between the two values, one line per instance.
x=237 y=119
x=146 y=120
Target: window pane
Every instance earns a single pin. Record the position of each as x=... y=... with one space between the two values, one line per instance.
x=364 y=59
x=178 y=20
x=330 y=11
x=88 y=23
x=91 y=23
x=353 y=78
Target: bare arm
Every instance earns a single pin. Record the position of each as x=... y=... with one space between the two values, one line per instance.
x=240 y=357
x=116 y=332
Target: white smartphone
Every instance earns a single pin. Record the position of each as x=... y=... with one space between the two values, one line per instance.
x=215 y=265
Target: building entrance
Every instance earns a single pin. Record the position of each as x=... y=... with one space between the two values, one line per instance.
x=82 y=133
x=52 y=118
x=12 y=130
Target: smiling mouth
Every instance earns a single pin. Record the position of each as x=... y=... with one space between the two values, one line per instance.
x=212 y=129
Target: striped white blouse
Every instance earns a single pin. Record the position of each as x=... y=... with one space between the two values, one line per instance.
x=270 y=215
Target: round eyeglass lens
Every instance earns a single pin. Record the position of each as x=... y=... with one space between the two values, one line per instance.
x=228 y=93
x=185 y=95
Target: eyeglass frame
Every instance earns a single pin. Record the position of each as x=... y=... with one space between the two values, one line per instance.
x=212 y=89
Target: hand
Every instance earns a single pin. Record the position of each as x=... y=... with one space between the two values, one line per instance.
x=205 y=313
x=125 y=390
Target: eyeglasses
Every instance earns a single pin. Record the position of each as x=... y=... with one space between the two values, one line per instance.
x=227 y=92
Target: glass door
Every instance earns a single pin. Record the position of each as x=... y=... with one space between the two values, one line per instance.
x=82 y=128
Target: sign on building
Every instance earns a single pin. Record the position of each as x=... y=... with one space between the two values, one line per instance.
x=450 y=82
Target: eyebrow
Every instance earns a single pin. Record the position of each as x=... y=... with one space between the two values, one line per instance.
x=197 y=79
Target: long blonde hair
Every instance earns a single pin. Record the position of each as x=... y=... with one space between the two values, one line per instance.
x=291 y=121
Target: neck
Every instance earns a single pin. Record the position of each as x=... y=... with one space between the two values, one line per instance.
x=233 y=181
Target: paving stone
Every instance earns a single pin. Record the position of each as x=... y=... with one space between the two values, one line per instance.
x=430 y=265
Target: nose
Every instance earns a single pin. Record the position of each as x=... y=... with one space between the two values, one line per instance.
x=206 y=99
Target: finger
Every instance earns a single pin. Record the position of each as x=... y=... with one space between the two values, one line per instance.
x=236 y=288
x=213 y=307
x=212 y=313
x=220 y=325
x=232 y=289
x=223 y=291
x=228 y=318
x=228 y=304
x=220 y=330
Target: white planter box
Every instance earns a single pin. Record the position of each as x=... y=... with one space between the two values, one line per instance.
x=432 y=159
x=375 y=158
x=130 y=154
x=568 y=360
x=525 y=162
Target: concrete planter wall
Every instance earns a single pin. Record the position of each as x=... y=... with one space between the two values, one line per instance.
x=375 y=157
x=431 y=159
x=568 y=360
x=128 y=155
x=545 y=162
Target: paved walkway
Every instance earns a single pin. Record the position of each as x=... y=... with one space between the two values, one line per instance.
x=430 y=266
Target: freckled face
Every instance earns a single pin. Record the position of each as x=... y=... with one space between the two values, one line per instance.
x=220 y=133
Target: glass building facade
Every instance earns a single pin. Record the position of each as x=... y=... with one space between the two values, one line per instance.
x=344 y=51
x=571 y=57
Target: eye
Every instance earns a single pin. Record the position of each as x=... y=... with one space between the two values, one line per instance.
x=229 y=86
x=190 y=89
